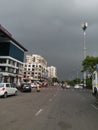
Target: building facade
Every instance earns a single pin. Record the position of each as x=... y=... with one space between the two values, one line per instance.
x=52 y=72
x=35 y=68
x=11 y=58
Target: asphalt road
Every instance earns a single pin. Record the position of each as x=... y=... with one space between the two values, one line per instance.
x=50 y=109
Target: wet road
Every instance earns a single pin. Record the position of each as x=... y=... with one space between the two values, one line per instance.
x=50 y=109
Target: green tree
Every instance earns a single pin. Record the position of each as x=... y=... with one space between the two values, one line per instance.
x=74 y=81
x=89 y=64
x=89 y=82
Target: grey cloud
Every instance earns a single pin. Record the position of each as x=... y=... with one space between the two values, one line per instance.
x=52 y=28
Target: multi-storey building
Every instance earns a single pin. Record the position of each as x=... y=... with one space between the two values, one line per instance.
x=11 y=58
x=52 y=72
x=35 y=68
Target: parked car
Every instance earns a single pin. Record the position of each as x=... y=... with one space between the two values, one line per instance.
x=25 y=87
x=7 y=89
x=33 y=85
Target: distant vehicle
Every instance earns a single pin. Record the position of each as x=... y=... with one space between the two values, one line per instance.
x=7 y=89
x=45 y=84
x=33 y=85
x=68 y=86
x=77 y=86
x=38 y=87
x=25 y=87
x=63 y=85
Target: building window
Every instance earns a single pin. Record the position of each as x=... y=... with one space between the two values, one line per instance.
x=32 y=69
x=39 y=66
x=2 y=61
x=11 y=70
x=2 y=68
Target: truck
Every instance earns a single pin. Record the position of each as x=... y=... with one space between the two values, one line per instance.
x=95 y=84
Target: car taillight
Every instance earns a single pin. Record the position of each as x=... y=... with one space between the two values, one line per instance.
x=3 y=89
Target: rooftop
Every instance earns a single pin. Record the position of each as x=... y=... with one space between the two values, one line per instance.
x=6 y=35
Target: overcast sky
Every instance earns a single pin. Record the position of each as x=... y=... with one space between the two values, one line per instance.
x=52 y=28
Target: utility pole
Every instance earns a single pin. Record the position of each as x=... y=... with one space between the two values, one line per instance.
x=84 y=27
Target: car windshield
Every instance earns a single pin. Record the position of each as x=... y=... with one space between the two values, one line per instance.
x=26 y=84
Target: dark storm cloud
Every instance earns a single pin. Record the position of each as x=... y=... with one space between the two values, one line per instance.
x=52 y=28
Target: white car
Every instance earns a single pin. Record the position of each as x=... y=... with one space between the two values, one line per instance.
x=77 y=86
x=68 y=86
x=7 y=89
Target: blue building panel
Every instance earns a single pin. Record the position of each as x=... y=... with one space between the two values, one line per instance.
x=9 y=49
x=16 y=53
x=4 y=49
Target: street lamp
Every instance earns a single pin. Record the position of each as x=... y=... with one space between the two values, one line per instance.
x=84 y=27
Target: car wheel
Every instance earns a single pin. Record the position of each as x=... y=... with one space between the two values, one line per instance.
x=5 y=95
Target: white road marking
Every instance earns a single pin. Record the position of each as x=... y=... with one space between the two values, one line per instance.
x=38 y=112
x=94 y=107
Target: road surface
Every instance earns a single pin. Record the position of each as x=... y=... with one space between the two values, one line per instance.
x=50 y=109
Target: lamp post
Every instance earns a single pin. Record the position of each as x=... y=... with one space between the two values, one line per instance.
x=84 y=27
